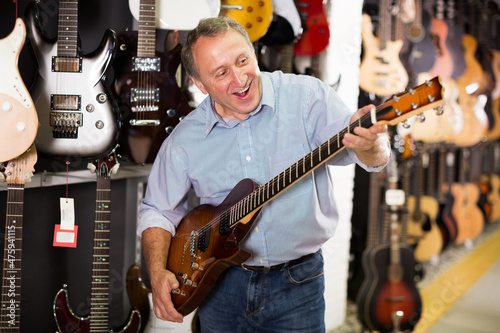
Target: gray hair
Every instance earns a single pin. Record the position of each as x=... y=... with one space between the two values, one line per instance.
x=208 y=27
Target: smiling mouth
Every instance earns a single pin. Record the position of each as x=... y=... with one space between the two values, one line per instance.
x=243 y=92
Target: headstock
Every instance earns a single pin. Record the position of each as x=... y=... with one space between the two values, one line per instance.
x=20 y=170
x=105 y=166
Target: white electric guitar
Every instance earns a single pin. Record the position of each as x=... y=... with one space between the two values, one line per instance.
x=18 y=117
x=179 y=15
x=76 y=110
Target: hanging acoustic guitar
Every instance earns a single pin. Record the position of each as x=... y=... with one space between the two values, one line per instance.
x=206 y=240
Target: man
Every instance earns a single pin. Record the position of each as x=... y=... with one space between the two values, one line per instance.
x=253 y=125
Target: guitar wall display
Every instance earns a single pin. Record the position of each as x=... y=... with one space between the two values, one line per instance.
x=146 y=83
x=206 y=239
x=77 y=113
x=19 y=123
x=17 y=172
x=97 y=320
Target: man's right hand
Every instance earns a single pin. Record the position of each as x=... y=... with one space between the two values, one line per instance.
x=162 y=283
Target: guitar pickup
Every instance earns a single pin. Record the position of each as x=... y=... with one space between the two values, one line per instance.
x=65 y=102
x=145 y=95
x=203 y=240
x=67 y=64
x=145 y=64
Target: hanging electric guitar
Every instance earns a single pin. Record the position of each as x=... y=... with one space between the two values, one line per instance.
x=254 y=15
x=97 y=321
x=316 y=33
x=75 y=108
x=381 y=71
x=206 y=240
x=179 y=15
x=17 y=172
x=19 y=118
x=147 y=88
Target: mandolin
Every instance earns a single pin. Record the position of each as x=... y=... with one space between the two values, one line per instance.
x=76 y=110
x=97 y=320
x=147 y=88
x=19 y=118
x=17 y=172
x=206 y=240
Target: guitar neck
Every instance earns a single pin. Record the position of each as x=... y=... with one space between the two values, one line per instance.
x=11 y=281
x=147 y=29
x=67 y=32
x=100 y=264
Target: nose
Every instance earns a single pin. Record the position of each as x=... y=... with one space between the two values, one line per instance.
x=239 y=76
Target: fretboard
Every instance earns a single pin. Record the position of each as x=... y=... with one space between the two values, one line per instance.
x=11 y=278
x=147 y=29
x=67 y=32
x=100 y=264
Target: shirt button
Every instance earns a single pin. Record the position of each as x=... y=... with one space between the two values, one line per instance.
x=261 y=261
x=243 y=125
x=248 y=158
x=256 y=228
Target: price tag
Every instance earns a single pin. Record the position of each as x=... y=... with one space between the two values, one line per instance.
x=65 y=234
x=394 y=197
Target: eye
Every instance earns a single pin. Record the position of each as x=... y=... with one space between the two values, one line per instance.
x=221 y=73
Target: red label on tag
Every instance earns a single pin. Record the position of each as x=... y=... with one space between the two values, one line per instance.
x=65 y=238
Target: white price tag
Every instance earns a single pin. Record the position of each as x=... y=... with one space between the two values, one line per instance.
x=67 y=213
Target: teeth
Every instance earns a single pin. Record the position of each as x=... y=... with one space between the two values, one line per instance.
x=242 y=91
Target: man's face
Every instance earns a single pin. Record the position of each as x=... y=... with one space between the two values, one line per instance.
x=228 y=71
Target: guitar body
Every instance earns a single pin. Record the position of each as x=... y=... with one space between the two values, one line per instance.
x=19 y=117
x=443 y=65
x=68 y=322
x=138 y=294
x=494 y=197
x=454 y=44
x=446 y=221
x=388 y=294
x=84 y=122
x=147 y=124
x=179 y=15
x=316 y=33
x=423 y=54
x=381 y=71
x=254 y=15
x=221 y=250
x=469 y=218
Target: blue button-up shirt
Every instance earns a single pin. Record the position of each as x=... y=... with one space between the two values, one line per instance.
x=211 y=155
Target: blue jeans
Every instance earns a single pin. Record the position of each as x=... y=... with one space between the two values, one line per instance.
x=285 y=300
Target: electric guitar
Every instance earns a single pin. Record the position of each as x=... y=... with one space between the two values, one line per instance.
x=381 y=71
x=206 y=240
x=147 y=88
x=178 y=15
x=76 y=111
x=19 y=118
x=254 y=15
x=17 y=172
x=316 y=33
x=97 y=321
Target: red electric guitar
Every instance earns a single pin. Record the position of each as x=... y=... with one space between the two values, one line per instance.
x=97 y=321
x=316 y=33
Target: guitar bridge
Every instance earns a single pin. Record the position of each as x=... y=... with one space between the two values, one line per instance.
x=65 y=124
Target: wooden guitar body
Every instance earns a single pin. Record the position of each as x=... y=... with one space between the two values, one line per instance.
x=316 y=34
x=381 y=71
x=423 y=54
x=76 y=110
x=254 y=15
x=446 y=221
x=443 y=65
x=138 y=294
x=211 y=249
x=68 y=322
x=469 y=218
x=19 y=117
x=494 y=197
x=393 y=289
x=147 y=124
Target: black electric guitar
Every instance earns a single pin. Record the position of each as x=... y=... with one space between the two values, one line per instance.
x=206 y=240
x=76 y=111
x=17 y=172
x=147 y=88
x=97 y=321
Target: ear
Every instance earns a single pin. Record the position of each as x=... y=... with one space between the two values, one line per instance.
x=199 y=85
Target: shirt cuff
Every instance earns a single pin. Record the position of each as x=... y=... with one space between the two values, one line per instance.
x=151 y=219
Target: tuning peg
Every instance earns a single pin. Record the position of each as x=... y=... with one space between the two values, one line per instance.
x=405 y=124
x=439 y=110
x=115 y=167
x=421 y=117
x=91 y=167
x=2 y=178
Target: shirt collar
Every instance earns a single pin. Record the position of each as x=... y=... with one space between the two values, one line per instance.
x=213 y=118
